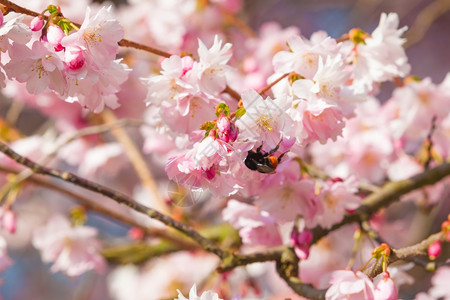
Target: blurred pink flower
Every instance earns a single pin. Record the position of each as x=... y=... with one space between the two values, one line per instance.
x=348 y=285
x=255 y=227
x=208 y=295
x=73 y=250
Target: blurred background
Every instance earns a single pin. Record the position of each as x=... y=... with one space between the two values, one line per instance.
x=428 y=42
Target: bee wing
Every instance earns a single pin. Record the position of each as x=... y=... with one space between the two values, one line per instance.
x=265 y=169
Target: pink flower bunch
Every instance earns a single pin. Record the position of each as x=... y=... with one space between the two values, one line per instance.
x=350 y=285
x=73 y=250
x=79 y=65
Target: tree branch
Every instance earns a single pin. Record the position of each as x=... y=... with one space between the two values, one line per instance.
x=92 y=205
x=385 y=196
x=406 y=253
x=120 y=198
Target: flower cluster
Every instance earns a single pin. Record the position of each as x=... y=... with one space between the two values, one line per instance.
x=285 y=140
x=79 y=65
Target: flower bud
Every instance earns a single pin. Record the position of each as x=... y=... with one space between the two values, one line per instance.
x=187 y=63
x=37 y=23
x=301 y=242
x=226 y=129
x=8 y=219
x=211 y=172
x=1 y=18
x=434 y=250
x=386 y=289
x=136 y=233
x=54 y=36
x=74 y=58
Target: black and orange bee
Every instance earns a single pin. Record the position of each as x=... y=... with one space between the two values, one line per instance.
x=263 y=162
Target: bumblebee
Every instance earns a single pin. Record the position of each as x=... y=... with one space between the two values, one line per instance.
x=263 y=162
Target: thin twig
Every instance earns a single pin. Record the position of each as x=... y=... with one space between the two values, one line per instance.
x=136 y=159
x=386 y=195
x=269 y=86
x=92 y=205
x=206 y=244
x=424 y=20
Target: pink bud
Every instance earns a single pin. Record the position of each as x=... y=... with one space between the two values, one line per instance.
x=211 y=172
x=187 y=63
x=54 y=36
x=136 y=233
x=434 y=250
x=223 y=123
x=37 y=23
x=301 y=242
x=74 y=58
x=386 y=289
x=1 y=18
x=8 y=219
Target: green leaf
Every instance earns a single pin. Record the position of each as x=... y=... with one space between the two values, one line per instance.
x=240 y=112
x=222 y=108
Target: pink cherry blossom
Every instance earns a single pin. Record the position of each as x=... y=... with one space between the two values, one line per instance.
x=208 y=295
x=440 y=286
x=265 y=120
x=73 y=250
x=337 y=197
x=213 y=66
x=386 y=289
x=382 y=56
x=98 y=37
x=350 y=285
x=285 y=200
x=13 y=30
x=40 y=68
x=255 y=227
x=304 y=55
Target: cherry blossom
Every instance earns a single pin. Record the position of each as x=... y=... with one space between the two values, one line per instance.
x=265 y=120
x=350 y=285
x=208 y=295
x=382 y=56
x=255 y=227
x=73 y=250
x=98 y=37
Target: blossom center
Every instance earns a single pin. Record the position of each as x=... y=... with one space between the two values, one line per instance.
x=264 y=123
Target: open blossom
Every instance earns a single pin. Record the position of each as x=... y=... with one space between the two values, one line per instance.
x=337 y=197
x=40 y=68
x=73 y=250
x=208 y=295
x=382 y=56
x=255 y=227
x=413 y=106
x=285 y=200
x=265 y=120
x=304 y=55
x=213 y=66
x=13 y=30
x=350 y=285
x=98 y=37
x=440 y=284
